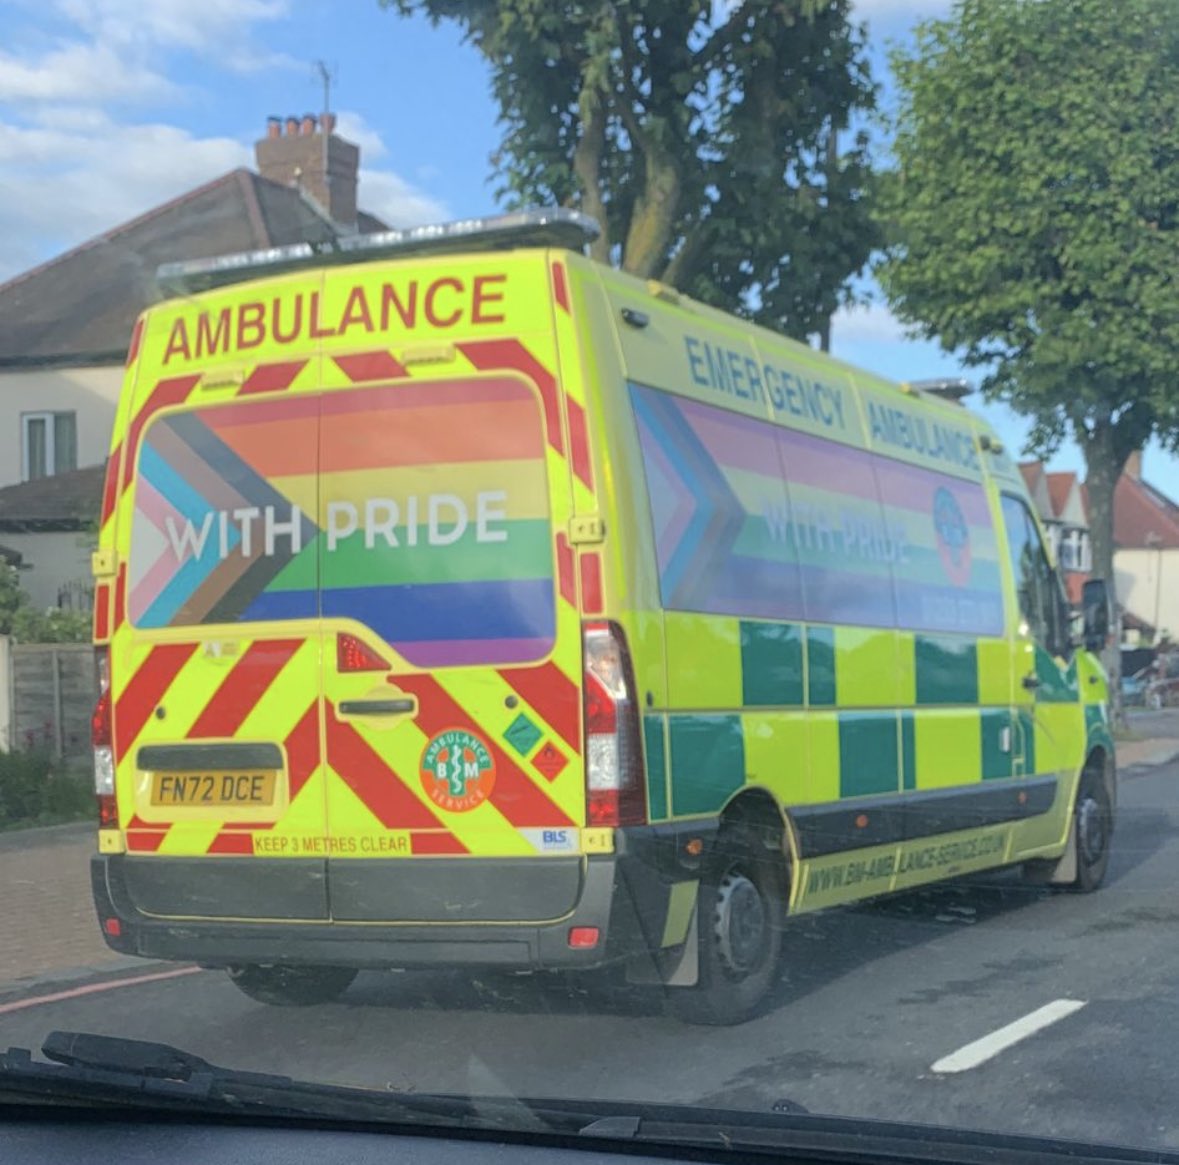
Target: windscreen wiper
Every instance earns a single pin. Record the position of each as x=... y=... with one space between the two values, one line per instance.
x=82 y=1067
x=108 y=1071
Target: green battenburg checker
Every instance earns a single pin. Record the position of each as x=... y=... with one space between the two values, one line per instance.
x=522 y=734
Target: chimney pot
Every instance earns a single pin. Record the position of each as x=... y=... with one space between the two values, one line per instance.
x=324 y=167
x=1134 y=465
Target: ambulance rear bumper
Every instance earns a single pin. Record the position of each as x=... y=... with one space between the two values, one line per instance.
x=621 y=896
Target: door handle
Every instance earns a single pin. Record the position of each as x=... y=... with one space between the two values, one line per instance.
x=1031 y=682
x=377 y=707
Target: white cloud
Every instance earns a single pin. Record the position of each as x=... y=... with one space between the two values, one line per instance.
x=382 y=192
x=352 y=125
x=872 y=324
x=72 y=177
x=220 y=29
x=79 y=72
x=396 y=202
x=65 y=185
x=75 y=165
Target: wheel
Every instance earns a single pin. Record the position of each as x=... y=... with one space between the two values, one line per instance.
x=741 y=908
x=292 y=986
x=1093 y=825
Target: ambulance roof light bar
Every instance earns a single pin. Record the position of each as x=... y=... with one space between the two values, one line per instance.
x=948 y=388
x=536 y=227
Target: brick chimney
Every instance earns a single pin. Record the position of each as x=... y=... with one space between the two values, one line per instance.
x=294 y=152
x=1134 y=465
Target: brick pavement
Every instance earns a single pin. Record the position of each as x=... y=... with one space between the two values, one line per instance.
x=48 y=918
x=47 y=913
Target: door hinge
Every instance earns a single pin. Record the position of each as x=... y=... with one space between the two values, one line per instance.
x=586 y=530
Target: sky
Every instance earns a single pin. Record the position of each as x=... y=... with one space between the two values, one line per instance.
x=109 y=107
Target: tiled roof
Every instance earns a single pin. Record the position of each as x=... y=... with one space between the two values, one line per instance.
x=66 y=501
x=1032 y=472
x=83 y=304
x=1060 y=486
x=1143 y=517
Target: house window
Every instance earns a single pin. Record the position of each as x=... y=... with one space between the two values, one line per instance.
x=1074 y=551
x=49 y=444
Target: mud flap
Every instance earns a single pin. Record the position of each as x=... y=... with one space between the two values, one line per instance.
x=676 y=963
x=1062 y=872
x=1065 y=870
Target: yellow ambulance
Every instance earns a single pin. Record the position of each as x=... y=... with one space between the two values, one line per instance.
x=463 y=602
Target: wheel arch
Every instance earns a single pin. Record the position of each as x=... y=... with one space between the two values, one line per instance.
x=1101 y=761
x=755 y=805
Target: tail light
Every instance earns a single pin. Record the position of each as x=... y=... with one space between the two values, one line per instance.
x=102 y=740
x=354 y=655
x=614 y=780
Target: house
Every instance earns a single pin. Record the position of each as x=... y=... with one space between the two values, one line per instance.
x=1146 y=542
x=1062 y=506
x=49 y=524
x=1146 y=561
x=65 y=325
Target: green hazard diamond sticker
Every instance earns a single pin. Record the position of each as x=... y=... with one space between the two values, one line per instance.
x=522 y=734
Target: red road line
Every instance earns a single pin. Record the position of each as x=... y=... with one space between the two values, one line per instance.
x=95 y=989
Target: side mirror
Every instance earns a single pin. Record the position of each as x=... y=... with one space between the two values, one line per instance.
x=1095 y=613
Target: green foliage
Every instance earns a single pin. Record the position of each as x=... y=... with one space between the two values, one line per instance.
x=12 y=599
x=1033 y=216
x=33 y=792
x=53 y=626
x=702 y=142
x=20 y=619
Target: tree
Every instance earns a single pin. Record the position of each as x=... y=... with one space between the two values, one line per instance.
x=1033 y=218
x=12 y=599
x=25 y=623
x=702 y=136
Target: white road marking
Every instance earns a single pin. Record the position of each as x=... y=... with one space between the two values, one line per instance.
x=978 y=1052
x=94 y=989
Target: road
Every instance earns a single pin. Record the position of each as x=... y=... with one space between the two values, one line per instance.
x=871 y=998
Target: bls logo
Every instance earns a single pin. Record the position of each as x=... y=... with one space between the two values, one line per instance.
x=561 y=841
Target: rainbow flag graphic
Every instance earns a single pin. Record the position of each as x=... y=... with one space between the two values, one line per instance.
x=420 y=510
x=759 y=521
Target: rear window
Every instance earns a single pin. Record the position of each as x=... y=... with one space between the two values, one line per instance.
x=420 y=510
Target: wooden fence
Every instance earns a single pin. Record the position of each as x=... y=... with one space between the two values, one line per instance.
x=47 y=695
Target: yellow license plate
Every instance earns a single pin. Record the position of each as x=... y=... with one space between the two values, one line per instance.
x=211 y=790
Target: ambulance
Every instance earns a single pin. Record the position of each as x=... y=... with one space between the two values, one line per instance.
x=462 y=602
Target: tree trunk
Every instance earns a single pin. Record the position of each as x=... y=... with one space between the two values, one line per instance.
x=1103 y=467
x=653 y=218
x=587 y=165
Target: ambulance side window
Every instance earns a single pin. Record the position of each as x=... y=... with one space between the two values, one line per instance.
x=1036 y=583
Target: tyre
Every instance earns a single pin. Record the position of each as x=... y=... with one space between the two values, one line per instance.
x=741 y=909
x=1092 y=826
x=292 y=986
